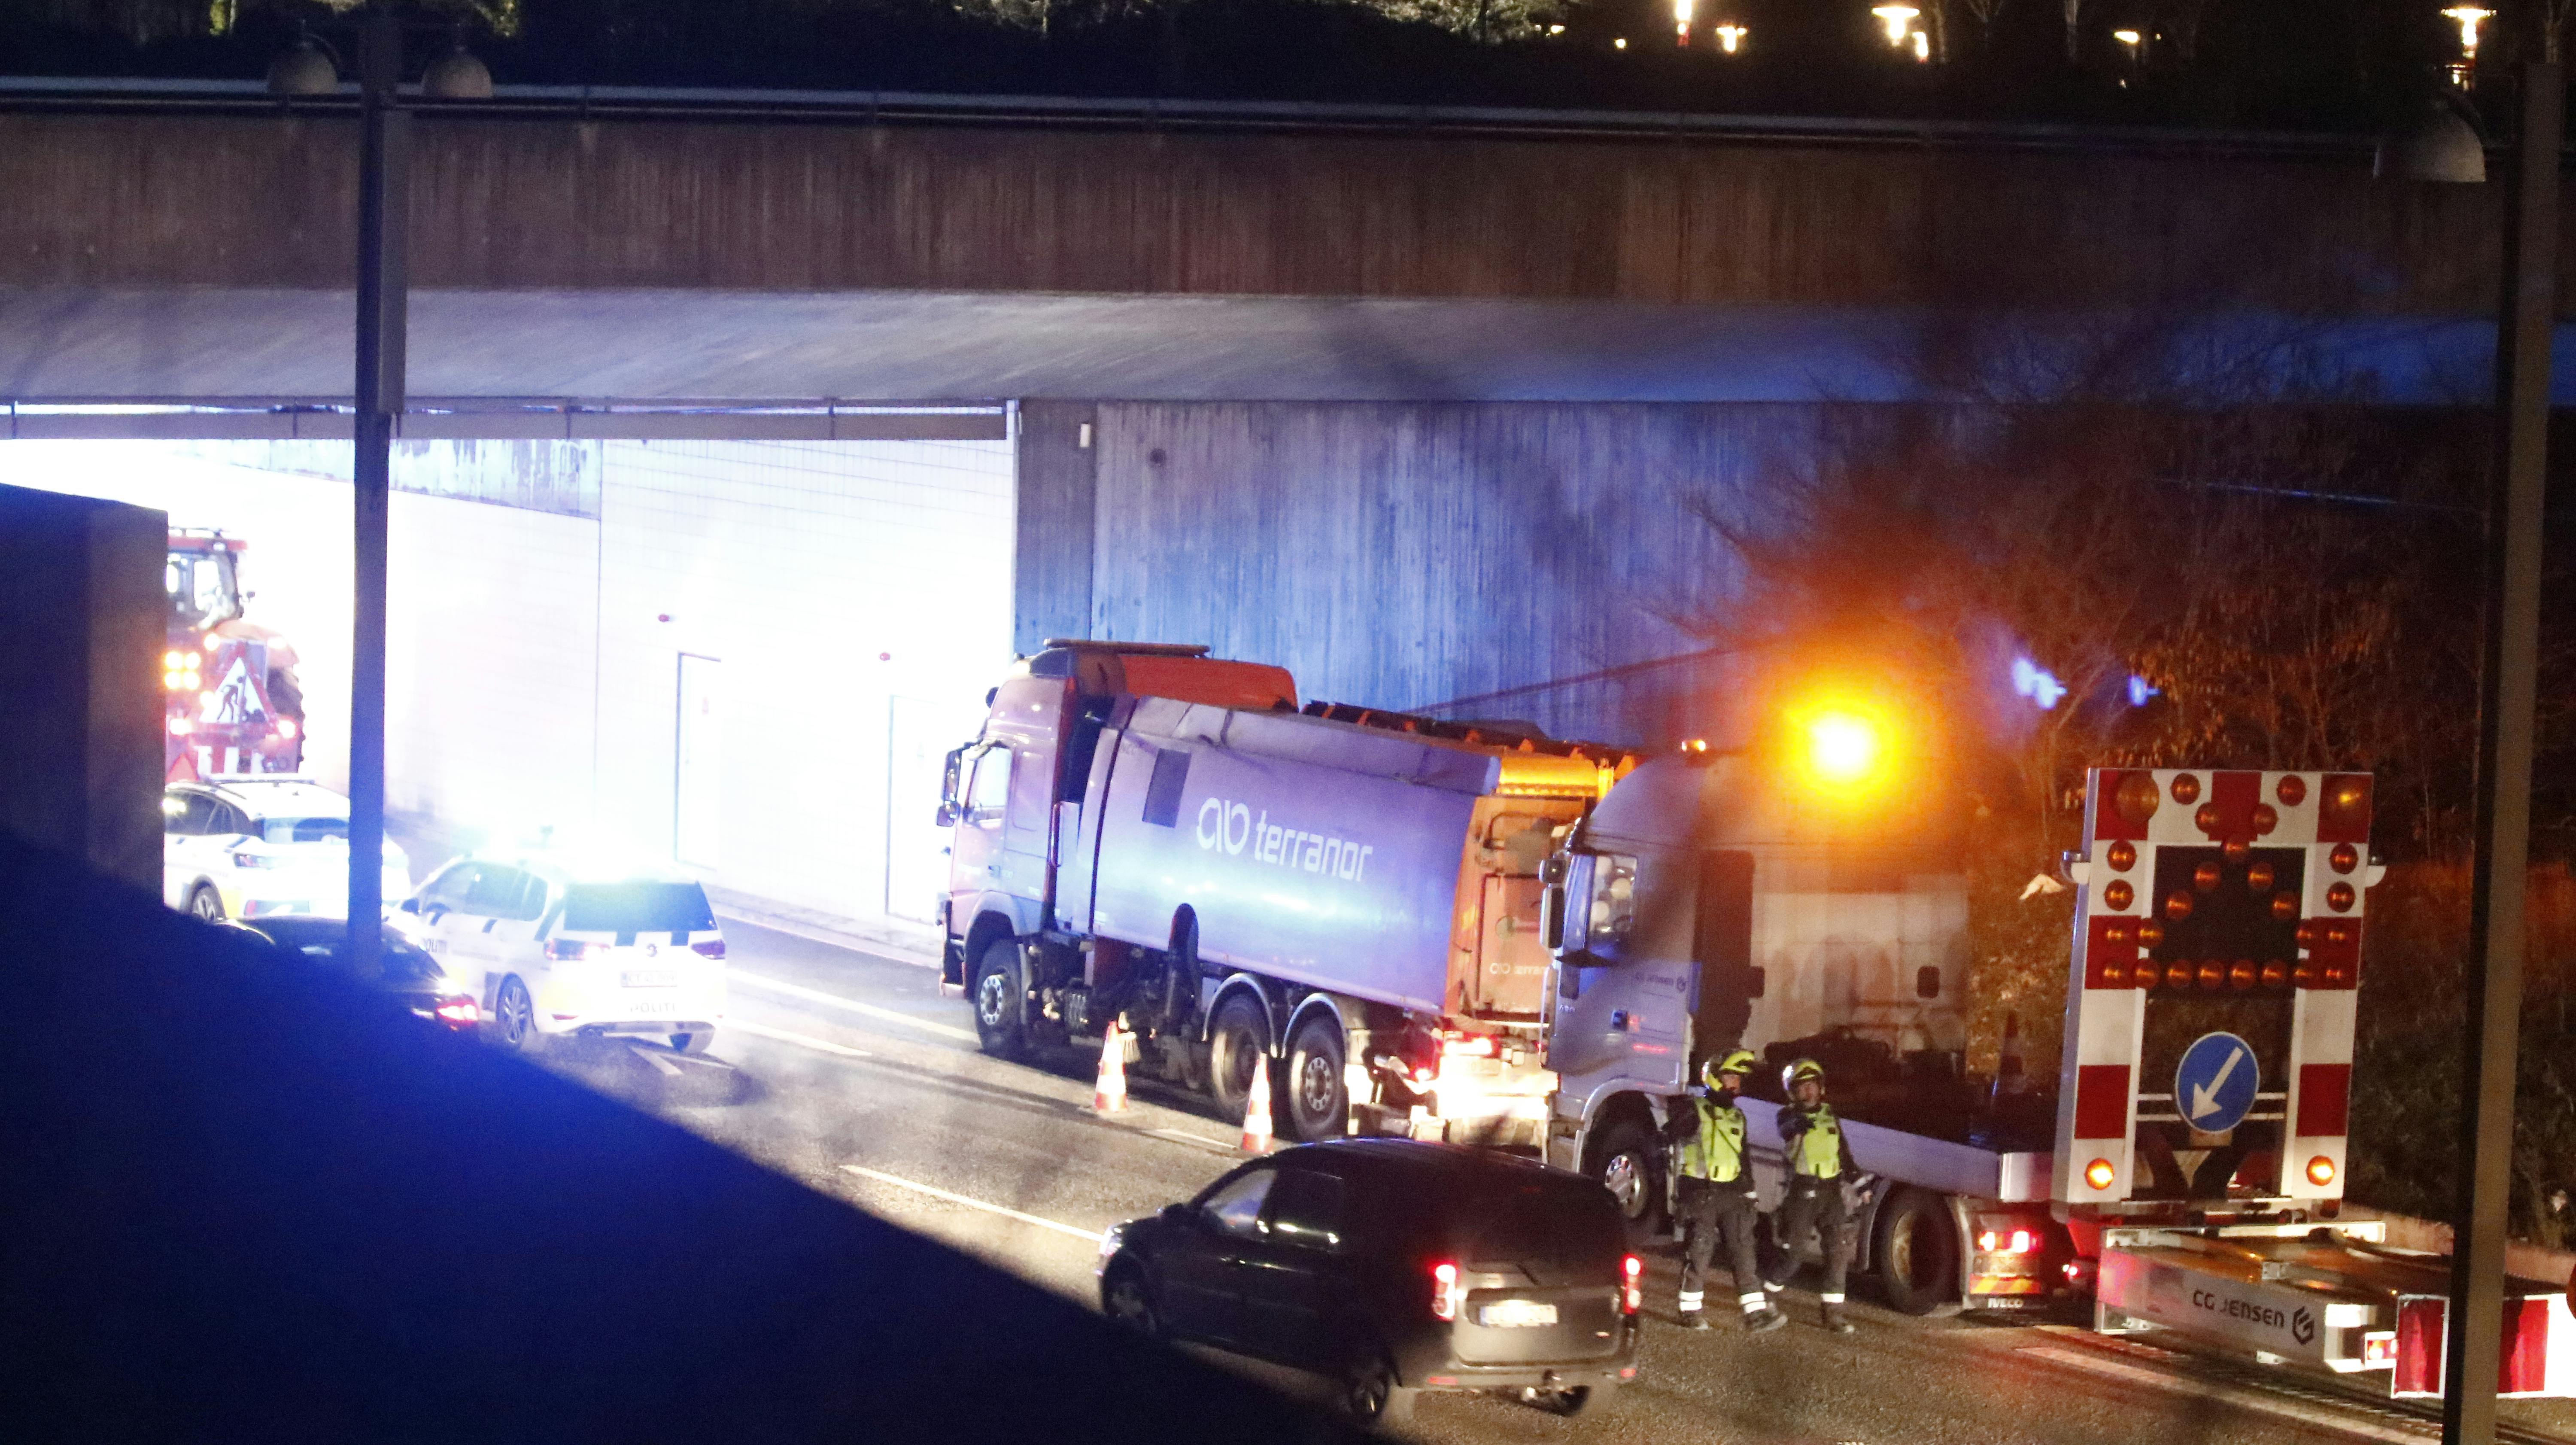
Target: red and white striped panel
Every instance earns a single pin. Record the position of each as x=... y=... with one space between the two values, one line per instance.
x=2129 y=816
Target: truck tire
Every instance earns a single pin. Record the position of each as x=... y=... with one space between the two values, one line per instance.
x=1000 y=991
x=1630 y=1164
x=1238 y=1043
x=1915 y=1254
x=1318 y=1099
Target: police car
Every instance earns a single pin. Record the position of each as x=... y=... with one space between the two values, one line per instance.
x=554 y=947
x=261 y=847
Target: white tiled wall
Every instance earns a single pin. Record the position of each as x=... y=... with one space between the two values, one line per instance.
x=858 y=595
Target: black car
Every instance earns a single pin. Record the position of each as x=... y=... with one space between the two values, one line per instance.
x=406 y=973
x=1393 y=1267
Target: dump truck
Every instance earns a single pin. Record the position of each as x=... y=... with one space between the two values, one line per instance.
x=1345 y=897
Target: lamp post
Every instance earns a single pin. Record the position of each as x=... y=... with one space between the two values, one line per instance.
x=2508 y=687
x=383 y=217
x=2443 y=148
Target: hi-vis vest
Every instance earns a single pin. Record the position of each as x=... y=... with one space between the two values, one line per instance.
x=1819 y=1151
x=1715 y=1151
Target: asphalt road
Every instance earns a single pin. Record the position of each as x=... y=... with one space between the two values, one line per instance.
x=848 y=1071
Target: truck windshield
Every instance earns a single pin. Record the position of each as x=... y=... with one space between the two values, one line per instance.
x=200 y=588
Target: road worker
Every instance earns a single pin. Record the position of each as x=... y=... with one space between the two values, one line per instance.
x=1715 y=1184
x=1819 y=1164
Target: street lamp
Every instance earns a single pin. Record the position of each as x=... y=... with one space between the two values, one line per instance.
x=2469 y=16
x=1682 y=22
x=1896 y=18
x=2442 y=148
x=1730 y=37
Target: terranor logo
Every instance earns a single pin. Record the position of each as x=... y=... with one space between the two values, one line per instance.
x=2303 y=1325
x=1231 y=827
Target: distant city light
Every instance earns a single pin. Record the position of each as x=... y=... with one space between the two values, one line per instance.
x=1730 y=37
x=2129 y=38
x=2469 y=17
x=1682 y=21
x=1619 y=44
x=2140 y=690
x=1898 y=19
x=1556 y=30
x=1922 y=45
x=2036 y=683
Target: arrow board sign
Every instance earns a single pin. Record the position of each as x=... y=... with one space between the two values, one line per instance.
x=2215 y=1083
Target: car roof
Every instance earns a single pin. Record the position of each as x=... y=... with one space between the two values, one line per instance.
x=557 y=866
x=1423 y=1155
x=265 y=797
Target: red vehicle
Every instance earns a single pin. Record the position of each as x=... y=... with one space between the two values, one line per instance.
x=233 y=705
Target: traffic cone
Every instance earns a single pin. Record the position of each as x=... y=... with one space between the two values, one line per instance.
x=1256 y=1111
x=1109 y=1096
x=2012 y=1076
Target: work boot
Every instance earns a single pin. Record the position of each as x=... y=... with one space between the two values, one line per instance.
x=1763 y=1321
x=1835 y=1324
x=1694 y=1319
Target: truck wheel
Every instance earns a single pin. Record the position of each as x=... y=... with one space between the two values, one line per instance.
x=1000 y=989
x=1238 y=1043
x=1917 y=1254
x=1631 y=1166
x=1319 y=1103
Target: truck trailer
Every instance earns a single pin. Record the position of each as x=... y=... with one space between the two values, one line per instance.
x=1349 y=898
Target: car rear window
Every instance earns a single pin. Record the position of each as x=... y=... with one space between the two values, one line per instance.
x=302 y=830
x=636 y=908
x=1521 y=1218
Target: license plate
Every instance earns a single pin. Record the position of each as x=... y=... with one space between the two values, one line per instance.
x=651 y=978
x=1514 y=1314
x=652 y=1010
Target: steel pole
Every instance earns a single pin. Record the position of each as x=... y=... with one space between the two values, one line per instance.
x=382 y=223
x=2508 y=683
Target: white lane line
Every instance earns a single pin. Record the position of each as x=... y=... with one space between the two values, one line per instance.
x=804 y=1041
x=1093 y=1235
x=702 y=1061
x=2318 y=1416
x=833 y=1000
x=655 y=1059
x=1186 y=1137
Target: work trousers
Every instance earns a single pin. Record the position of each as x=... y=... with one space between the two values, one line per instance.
x=1709 y=1212
x=1815 y=1204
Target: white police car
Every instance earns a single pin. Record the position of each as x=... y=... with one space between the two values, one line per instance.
x=553 y=946
x=262 y=847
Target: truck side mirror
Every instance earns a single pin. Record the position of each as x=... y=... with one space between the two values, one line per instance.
x=948 y=815
x=1552 y=871
x=409 y=905
x=1551 y=920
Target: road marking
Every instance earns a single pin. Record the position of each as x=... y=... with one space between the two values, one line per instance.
x=702 y=1061
x=806 y=1041
x=815 y=995
x=655 y=1059
x=1093 y=1235
x=1186 y=1137
x=2231 y=1394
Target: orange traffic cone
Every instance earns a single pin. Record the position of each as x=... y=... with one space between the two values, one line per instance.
x=1109 y=1096
x=1257 y=1136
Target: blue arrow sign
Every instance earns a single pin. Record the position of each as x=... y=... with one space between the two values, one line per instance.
x=2215 y=1083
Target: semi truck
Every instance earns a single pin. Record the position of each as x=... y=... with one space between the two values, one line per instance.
x=1349 y=898
x=232 y=704
x=2185 y=1174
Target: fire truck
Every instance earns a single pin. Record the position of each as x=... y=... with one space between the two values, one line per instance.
x=232 y=705
x=2187 y=1175
x=1344 y=897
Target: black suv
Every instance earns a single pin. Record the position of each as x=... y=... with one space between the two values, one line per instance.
x=1394 y=1267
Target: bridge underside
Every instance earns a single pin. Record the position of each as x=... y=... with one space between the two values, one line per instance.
x=501 y=353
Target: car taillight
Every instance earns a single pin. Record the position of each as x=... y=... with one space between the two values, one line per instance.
x=710 y=950
x=1632 y=1271
x=1446 y=1296
x=564 y=950
x=460 y=1011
